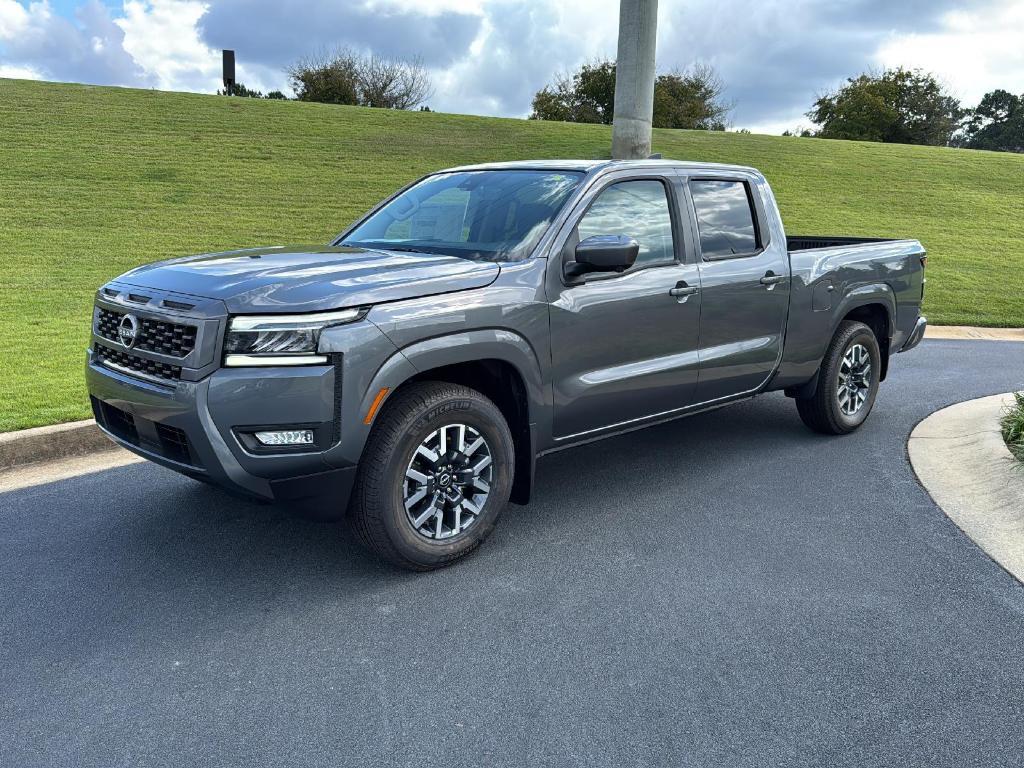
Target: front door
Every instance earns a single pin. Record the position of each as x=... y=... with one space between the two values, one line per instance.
x=744 y=274
x=624 y=346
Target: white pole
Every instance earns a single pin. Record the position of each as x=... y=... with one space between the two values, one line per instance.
x=634 y=79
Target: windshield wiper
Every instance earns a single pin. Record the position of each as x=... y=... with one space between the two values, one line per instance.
x=388 y=247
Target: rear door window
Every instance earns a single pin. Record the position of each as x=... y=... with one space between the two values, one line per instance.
x=725 y=218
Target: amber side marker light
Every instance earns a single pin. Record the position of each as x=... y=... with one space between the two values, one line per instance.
x=375 y=405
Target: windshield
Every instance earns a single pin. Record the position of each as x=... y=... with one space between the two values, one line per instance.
x=492 y=215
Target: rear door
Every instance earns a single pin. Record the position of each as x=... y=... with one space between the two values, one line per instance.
x=624 y=346
x=745 y=284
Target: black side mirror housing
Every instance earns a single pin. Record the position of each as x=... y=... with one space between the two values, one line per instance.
x=603 y=253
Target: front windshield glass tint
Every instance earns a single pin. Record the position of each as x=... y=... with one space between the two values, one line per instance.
x=493 y=215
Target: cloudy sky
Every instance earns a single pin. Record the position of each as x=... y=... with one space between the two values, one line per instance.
x=490 y=56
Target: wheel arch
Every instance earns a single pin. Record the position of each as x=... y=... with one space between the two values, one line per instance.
x=879 y=319
x=875 y=306
x=502 y=366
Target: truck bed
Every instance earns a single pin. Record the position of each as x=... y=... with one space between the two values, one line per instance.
x=813 y=242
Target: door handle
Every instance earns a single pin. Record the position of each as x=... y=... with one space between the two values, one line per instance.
x=682 y=291
x=771 y=279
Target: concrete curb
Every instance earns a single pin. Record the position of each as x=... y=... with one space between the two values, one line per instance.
x=962 y=461
x=28 y=446
x=967 y=332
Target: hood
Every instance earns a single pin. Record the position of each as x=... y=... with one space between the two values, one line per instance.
x=310 y=279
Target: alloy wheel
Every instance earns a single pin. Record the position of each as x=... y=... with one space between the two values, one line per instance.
x=447 y=482
x=854 y=379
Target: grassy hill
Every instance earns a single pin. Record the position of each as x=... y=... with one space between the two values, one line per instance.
x=96 y=180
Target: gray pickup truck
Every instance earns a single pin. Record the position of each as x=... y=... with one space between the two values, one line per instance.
x=409 y=374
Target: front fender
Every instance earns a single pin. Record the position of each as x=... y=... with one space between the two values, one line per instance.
x=482 y=344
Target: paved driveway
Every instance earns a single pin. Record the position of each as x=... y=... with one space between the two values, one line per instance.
x=727 y=590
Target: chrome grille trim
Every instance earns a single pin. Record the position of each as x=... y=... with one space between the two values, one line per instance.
x=123 y=361
x=179 y=337
x=164 y=337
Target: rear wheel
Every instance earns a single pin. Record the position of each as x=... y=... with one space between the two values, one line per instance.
x=847 y=383
x=434 y=477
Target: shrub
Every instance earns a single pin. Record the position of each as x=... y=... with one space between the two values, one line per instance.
x=348 y=77
x=1013 y=426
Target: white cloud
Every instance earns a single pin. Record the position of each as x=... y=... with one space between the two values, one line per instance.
x=19 y=73
x=86 y=48
x=972 y=52
x=519 y=48
x=161 y=36
x=13 y=19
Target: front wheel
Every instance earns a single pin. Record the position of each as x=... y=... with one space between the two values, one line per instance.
x=434 y=477
x=847 y=383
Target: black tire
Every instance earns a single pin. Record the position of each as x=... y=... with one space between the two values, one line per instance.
x=823 y=412
x=377 y=509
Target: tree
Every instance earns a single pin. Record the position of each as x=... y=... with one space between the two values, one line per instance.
x=691 y=99
x=683 y=99
x=997 y=123
x=897 y=106
x=586 y=96
x=392 y=83
x=327 y=79
x=347 y=77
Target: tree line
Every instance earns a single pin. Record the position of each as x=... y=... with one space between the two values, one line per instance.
x=913 y=107
x=895 y=105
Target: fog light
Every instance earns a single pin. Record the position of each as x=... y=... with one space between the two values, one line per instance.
x=286 y=437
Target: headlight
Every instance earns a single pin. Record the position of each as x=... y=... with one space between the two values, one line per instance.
x=280 y=339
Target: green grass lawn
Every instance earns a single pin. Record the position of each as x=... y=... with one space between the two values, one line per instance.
x=96 y=180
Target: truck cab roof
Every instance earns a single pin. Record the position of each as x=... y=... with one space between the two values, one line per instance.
x=596 y=166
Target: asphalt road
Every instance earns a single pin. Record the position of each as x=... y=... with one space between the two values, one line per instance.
x=727 y=590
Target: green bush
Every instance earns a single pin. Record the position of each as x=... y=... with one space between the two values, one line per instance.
x=1013 y=426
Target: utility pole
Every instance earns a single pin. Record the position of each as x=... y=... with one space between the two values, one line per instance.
x=634 y=79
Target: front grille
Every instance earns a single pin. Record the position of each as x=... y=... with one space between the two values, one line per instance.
x=126 y=362
x=165 y=338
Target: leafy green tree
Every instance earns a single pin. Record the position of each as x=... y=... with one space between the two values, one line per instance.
x=326 y=79
x=691 y=99
x=997 y=123
x=897 y=106
x=586 y=96
x=687 y=99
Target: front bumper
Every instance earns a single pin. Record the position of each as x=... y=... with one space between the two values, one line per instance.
x=916 y=335
x=197 y=427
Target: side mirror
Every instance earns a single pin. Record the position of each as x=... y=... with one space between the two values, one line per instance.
x=603 y=253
